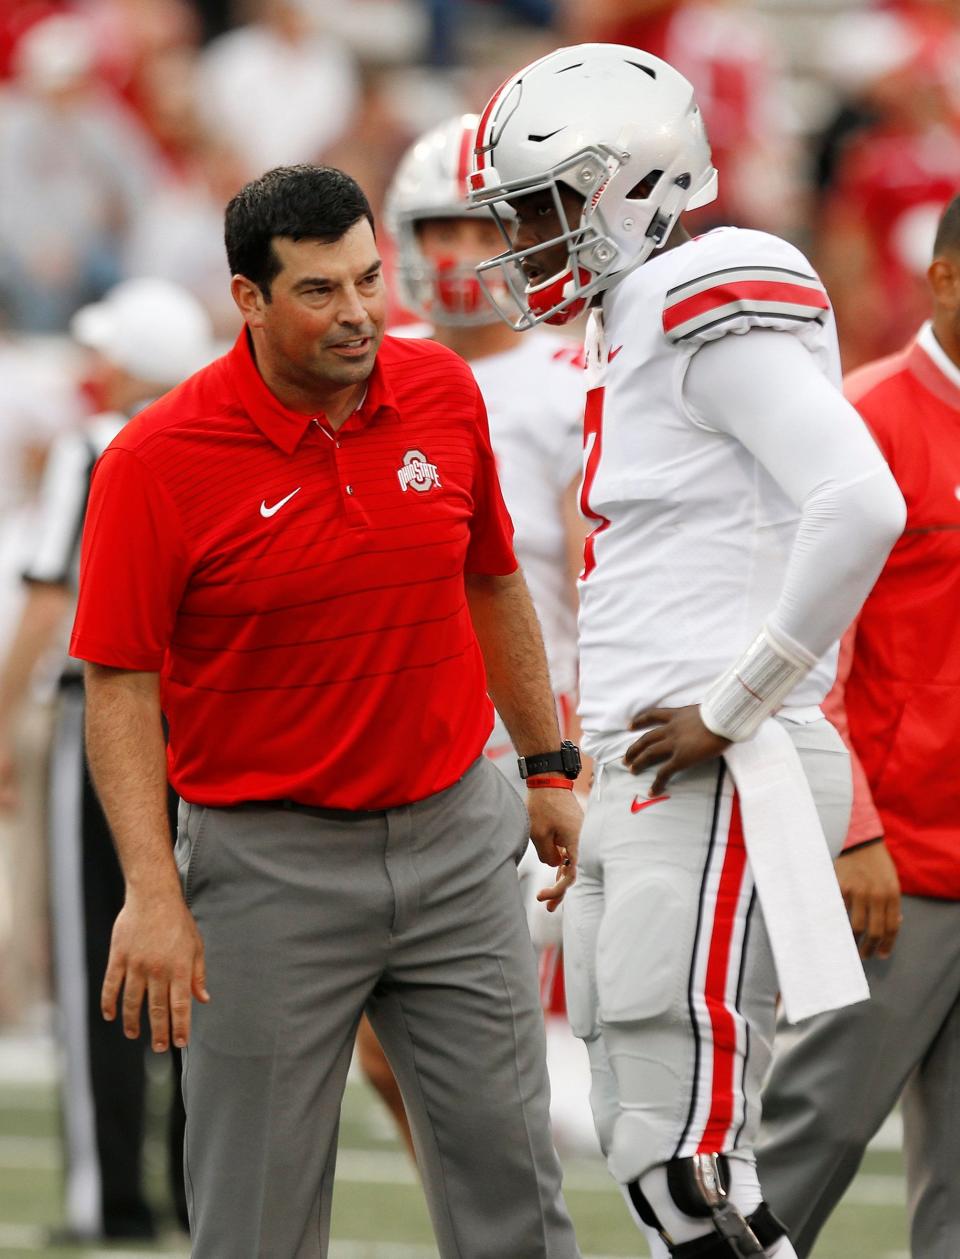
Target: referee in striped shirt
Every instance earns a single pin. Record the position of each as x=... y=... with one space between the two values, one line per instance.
x=147 y=335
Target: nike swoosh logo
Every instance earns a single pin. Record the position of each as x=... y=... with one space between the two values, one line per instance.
x=272 y=511
x=612 y=354
x=639 y=804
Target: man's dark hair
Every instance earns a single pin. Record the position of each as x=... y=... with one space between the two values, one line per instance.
x=300 y=202
x=948 y=233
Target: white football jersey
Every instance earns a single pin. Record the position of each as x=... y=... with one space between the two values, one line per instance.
x=534 y=399
x=691 y=535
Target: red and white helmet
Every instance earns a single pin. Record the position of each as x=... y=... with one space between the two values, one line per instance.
x=431 y=183
x=619 y=127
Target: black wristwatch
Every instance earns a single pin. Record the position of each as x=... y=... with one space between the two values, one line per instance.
x=565 y=762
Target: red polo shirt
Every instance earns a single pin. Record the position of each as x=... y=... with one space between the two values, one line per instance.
x=902 y=692
x=302 y=593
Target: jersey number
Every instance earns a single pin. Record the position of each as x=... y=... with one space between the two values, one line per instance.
x=593 y=445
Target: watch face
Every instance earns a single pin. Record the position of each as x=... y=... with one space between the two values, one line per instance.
x=570 y=758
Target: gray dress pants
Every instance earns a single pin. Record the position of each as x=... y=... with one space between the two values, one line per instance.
x=836 y=1079
x=414 y=914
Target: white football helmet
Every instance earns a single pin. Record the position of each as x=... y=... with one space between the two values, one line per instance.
x=619 y=127
x=431 y=183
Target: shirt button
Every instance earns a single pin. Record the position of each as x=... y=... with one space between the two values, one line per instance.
x=349 y=489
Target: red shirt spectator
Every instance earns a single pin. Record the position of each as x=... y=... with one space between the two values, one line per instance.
x=902 y=694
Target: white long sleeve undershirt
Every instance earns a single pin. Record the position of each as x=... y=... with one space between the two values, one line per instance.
x=764 y=389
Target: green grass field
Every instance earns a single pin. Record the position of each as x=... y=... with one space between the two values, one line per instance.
x=378 y=1206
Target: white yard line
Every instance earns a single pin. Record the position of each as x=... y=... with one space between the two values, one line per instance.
x=390 y=1167
x=30 y=1238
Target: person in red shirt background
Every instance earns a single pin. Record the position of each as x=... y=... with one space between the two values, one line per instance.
x=898 y=692
x=302 y=555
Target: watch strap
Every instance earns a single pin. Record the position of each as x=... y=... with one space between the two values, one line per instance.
x=565 y=761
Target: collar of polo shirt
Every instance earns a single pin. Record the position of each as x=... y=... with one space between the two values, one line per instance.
x=285 y=428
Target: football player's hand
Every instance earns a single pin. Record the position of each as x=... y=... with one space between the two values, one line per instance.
x=871 y=891
x=678 y=740
x=555 y=820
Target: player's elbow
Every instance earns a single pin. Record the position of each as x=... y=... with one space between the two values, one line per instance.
x=858 y=523
x=877 y=513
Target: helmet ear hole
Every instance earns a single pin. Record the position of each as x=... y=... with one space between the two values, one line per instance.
x=642 y=190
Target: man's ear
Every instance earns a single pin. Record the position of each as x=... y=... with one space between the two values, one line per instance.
x=249 y=299
x=943 y=276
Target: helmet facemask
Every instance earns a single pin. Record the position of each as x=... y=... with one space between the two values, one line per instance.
x=594 y=259
x=590 y=250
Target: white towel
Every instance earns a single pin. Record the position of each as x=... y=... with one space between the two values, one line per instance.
x=818 y=966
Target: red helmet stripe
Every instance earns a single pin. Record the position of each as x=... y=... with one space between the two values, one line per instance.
x=463 y=159
x=484 y=119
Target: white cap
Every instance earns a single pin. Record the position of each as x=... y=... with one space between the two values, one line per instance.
x=56 y=52
x=861 y=47
x=150 y=328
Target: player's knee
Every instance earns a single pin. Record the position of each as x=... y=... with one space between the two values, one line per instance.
x=687 y=1202
x=644 y=1060
x=636 y=1143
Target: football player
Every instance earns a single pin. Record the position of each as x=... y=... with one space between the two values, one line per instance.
x=740 y=512
x=533 y=390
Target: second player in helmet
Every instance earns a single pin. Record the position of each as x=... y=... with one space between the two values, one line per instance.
x=532 y=387
x=533 y=390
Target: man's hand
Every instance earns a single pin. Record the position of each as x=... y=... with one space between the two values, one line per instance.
x=155 y=950
x=555 y=820
x=679 y=739
x=871 y=891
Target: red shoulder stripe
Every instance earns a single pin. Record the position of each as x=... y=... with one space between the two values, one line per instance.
x=746 y=292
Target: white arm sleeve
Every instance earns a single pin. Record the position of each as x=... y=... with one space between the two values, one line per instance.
x=764 y=389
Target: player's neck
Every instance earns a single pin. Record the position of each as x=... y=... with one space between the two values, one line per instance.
x=678 y=236
x=947 y=332
x=477 y=342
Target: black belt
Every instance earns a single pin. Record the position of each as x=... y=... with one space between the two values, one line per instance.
x=311 y=810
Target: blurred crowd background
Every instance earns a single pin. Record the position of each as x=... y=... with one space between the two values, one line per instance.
x=126 y=125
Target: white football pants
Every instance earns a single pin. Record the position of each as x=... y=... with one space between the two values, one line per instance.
x=669 y=976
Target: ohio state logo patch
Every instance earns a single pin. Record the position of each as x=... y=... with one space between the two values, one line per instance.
x=417 y=473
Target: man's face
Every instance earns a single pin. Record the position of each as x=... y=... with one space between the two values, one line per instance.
x=327 y=310
x=454 y=246
x=538 y=221
x=463 y=241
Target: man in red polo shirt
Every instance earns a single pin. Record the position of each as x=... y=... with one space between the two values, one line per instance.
x=301 y=556
x=899 y=682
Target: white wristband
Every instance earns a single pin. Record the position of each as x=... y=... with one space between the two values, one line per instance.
x=753 y=688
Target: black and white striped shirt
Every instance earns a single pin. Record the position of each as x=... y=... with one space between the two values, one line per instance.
x=53 y=557
x=53 y=553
